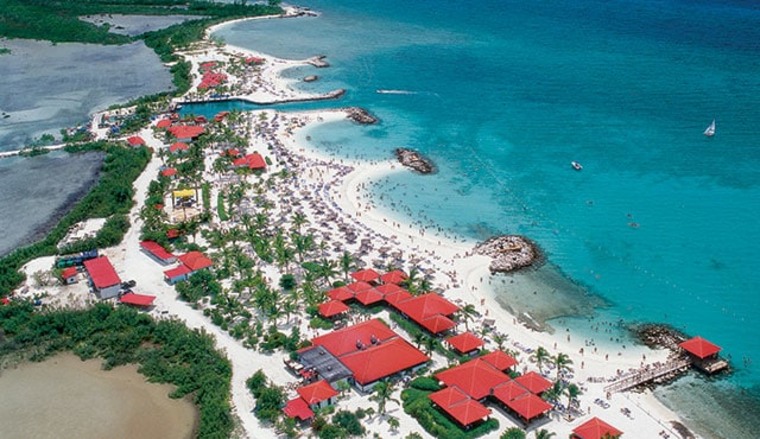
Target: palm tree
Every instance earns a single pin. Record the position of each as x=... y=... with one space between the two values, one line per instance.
x=562 y=362
x=540 y=356
x=346 y=264
x=468 y=312
x=299 y=219
x=544 y=434
x=573 y=392
x=554 y=392
x=383 y=393
x=429 y=345
x=513 y=433
x=500 y=339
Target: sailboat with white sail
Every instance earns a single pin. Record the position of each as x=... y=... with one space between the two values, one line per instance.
x=710 y=130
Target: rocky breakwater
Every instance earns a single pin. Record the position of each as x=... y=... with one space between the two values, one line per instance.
x=508 y=253
x=360 y=116
x=414 y=160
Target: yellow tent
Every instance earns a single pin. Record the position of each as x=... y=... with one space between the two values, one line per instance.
x=185 y=193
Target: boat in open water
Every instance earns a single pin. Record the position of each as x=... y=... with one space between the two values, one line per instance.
x=710 y=130
x=577 y=166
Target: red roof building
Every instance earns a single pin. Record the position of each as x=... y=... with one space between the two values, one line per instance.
x=366 y=275
x=700 y=348
x=332 y=308
x=177 y=274
x=508 y=391
x=251 y=161
x=359 y=286
x=103 y=276
x=385 y=289
x=595 y=428
x=69 y=275
x=195 y=260
x=346 y=340
x=340 y=293
x=231 y=152
x=369 y=297
x=141 y=300
x=221 y=115
x=164 y=123
x=394 y=277
x=459 y=406
x=157 y=252
x=168 y=172
x=476 y=378
x=499 y=360
x=534 y=382
x=382 y=360
x=437 y=324
x=396 y=297
x=529 y=407
x=465 y=342
x=425 y=306
x=186 y=133
x=317 y=393
x=178 y=147
x=298 y=409
x=135 y=141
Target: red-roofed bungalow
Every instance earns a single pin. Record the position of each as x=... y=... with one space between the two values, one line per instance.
x=135 y=141
x=465 y=343
x=231 y=152
x=396 y=297
x=69 y=275
x=508 y=391
x=220 y=116
x=499 y=360
x=427 y=305
x=437 y=324
x=157 y=252
x=369 y=297
x=341 y=293
x=105 y=281
x=394 y=277
x=366 y=275
x=332 y=308
x=191 y=262
x=253 y=161
x=254 y=60
x=534 y=382
x=350 y=339
x=139 y=300
x=359 y=286
x=298 y=409
x=704 y=355
x=385 y=289
x=475 y=378
x=168 y=172
x=164 y=123
x=529 y=407
x=178 y=147
x=595 y=428
x=317 y=395
x=177 y=274
x=383 y=360
x=186 y=133
x=460 y=407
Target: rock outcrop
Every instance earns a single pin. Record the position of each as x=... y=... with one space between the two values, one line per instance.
x=508 y=253
x=360 y=115
x=310 y=78
x=414 y=160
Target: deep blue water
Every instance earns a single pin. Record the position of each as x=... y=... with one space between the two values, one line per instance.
x=504 y=94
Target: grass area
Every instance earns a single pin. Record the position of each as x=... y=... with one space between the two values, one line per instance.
x=221 y=209
x=417 y=404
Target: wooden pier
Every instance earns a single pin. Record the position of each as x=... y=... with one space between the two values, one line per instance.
x=646 y=375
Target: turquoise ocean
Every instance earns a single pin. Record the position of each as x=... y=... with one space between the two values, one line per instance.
x=661 y=223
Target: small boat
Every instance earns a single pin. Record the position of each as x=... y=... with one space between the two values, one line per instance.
x=577 y=166
x=710 y=130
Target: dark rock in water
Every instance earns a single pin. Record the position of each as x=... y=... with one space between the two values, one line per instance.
x=414 y=160
x=310 y=78
x=318 y=61
x=508 y=253
x=360 y=115
x=658 y=335
x=682 y=430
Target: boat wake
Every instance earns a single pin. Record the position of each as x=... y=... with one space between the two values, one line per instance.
x=395 y=92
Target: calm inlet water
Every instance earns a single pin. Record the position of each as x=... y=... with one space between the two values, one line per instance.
x=503 y=95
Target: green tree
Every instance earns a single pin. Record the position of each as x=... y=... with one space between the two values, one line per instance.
x=573 y=392
x=346 y=264
x=541 y=356
x=544 y=434
x=513 y=433
x=468 y=313
x=562 y=362
x=382 y=394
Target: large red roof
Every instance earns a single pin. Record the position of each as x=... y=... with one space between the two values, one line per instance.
x=529 y=406
x=252 y=161
x=383 y=360
x=164 y=123
x=396 y=297
x=366 y=275
x=178 y=146
x=344 y=341
x=459 y=406
x=317 y=392
x=156 y=250
x=700 y=347
x=437 y=324
x=369 y=297
x=394 y=277
x=135 y=141
x=340 y=293
x=359 y=286
x=195 y=260
x=427 y=305
x=465 y=342
x=332 y=308
x=476 y=378
x=389 y=288
x=499 y=360
x=534 y=382
x=186 y=131
x=508 y=391
x=137 y=299
x=595 y=428
x=297 y=408
x=101 y=272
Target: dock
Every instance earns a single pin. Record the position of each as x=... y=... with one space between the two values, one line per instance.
x=649 y=374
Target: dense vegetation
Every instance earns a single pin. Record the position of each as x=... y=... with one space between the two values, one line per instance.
x=166 y=351
x=111 y=196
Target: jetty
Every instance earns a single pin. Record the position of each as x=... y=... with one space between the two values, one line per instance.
x=650 y=374
x=335 y=94
x=318 y=61
x=31 y=151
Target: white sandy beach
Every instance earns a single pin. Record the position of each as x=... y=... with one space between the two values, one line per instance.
x=339 y=186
